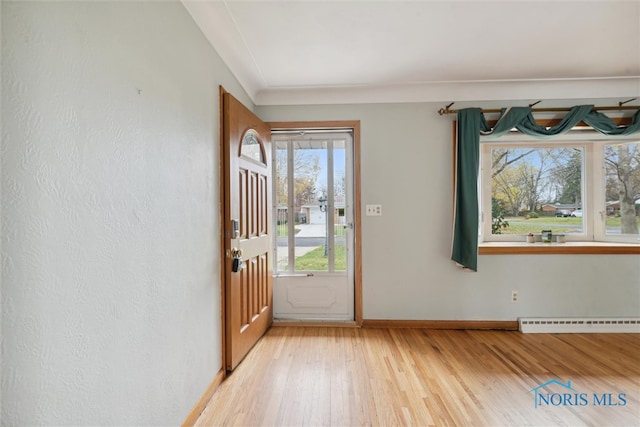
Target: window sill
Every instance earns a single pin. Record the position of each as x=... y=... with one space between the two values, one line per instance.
x=569 y=248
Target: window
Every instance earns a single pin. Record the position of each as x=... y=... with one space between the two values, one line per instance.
x=251 y=147
x=312 y=187
x=586 y=188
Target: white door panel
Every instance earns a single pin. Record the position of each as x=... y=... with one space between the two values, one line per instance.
x=315 y=297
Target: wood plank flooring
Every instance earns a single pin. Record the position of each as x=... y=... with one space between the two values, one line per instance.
x=414 y=377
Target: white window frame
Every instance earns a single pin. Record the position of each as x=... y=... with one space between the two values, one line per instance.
x=593 y=183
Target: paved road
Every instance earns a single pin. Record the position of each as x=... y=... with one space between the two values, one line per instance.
x=307 y=241
x=310 y=235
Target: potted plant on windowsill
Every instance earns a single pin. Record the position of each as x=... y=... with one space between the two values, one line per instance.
x=531 y=238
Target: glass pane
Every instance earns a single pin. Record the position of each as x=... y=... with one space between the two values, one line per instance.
x=310 y=204
x=339 y=198
x=311 y=213
x=622 y=188
x=535 y=189
x=251 y=147
x=282 y=201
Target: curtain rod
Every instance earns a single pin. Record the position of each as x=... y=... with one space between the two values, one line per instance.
x=447 y=110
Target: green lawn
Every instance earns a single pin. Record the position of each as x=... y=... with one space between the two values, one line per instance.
x=521 y=225
x=316 y=261
x=613 y=221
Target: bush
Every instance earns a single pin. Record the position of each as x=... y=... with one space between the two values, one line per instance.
x=497 y=217
x=533 y=215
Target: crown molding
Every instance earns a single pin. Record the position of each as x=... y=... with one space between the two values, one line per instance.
x=612 y=87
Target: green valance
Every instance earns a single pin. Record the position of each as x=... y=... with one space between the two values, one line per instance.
x=472 y=124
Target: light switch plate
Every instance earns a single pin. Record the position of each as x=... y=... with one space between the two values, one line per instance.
x=374 y=210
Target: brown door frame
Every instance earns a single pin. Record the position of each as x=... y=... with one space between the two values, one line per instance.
x=221 y=233
x=223 y=230
x=357 y=223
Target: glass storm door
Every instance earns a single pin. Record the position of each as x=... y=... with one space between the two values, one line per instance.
x=313 y=215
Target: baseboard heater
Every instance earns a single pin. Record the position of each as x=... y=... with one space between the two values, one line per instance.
x=567 y=325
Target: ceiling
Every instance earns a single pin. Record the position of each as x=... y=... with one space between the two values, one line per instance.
x=320 y=52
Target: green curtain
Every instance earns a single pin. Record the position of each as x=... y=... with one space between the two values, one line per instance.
x=471 y=124
x=465 y=225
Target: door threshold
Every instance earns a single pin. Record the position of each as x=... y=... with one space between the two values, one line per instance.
x=316 y=323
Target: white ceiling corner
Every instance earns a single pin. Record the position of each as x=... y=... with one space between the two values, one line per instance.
x=218 y=26
x=331 y=52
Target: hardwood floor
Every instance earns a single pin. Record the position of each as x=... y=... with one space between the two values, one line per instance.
x=414 y=377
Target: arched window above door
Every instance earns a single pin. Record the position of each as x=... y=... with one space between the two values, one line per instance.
x=251 y=147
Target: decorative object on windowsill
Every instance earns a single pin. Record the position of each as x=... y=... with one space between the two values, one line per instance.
x=561 y=238
x=531 y=238
x=547 y=236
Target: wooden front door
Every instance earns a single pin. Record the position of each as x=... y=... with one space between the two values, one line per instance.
x=247 y=170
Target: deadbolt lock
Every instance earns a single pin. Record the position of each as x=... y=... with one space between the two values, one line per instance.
x=236 y=253
x=236 y=264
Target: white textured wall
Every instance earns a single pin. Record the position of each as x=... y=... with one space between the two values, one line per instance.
x=110 y=280
x=407 y=273
x=110 y=257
